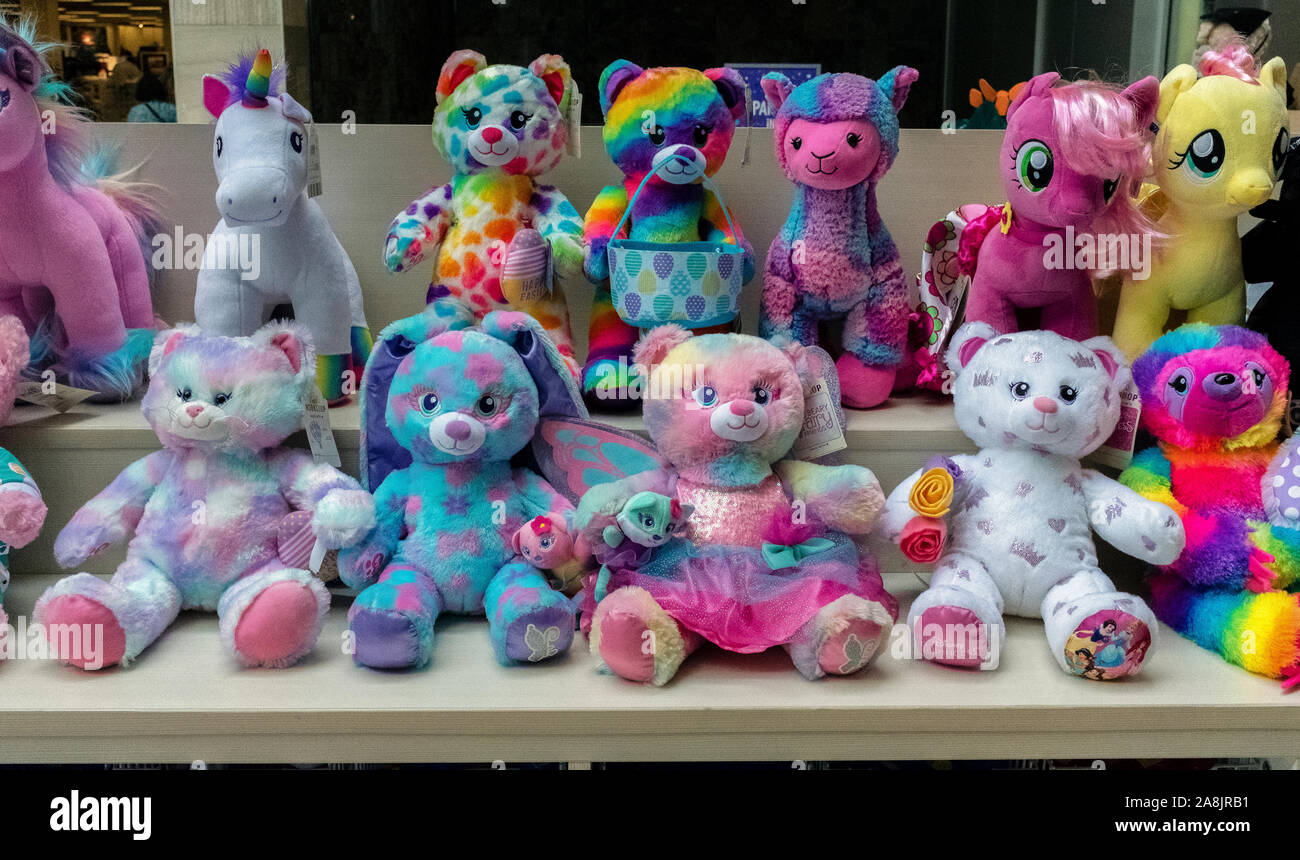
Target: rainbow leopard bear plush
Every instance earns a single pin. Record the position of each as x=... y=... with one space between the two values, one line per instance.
x=501 y=127
x=1214 y=399
x=207 y=509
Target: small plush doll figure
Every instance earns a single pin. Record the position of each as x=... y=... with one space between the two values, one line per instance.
x=1020 y=523
x=1214 y=399
x=447 y=406
x=206 y=509
x=501 y=127
x=834 y=261
x=273 y=244
x=545 y=543
x=678 y=123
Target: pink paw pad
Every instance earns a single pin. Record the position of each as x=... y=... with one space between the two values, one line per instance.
x=278 y=624
x=622 y=646
x=92 y=617
x=852 y=648
x=954 y=636
x=1107 y=645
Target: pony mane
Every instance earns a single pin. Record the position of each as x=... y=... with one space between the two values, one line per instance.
x=1101 y=134
x=1234 y=60
x=68 y=151
x=236 y=77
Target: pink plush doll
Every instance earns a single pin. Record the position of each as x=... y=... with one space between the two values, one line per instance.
x=1072 y=155
x=836 y=135
x=22 y=512
x=73 y=268
x=545 y=543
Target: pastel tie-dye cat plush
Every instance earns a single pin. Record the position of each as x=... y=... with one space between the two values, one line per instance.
x=834 y=261
x=500 y=127
x=1214 y=398
x=447 y=407
x=1021 y=517
x=654 y=115
x=206 y=510
x=768 y=555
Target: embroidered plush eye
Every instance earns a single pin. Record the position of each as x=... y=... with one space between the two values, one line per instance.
x=648 y=521
x=487 y=405
x=429 y=403
x=1258 y=376
x=473 y=116
x=762 y=396
x=519 y=119
x=700 y=135
x=1279 y=146
x=853 y=140
x=221 y=399
x=220 y=146
x=795 y=143
x=656 y=135
x=1179 y=384
x=705 y=395
x=1108 y=188
x=546 y=542
x=1068 y=394
x=1034 y=165
x=1205 y=156
x=185 y=394
x=295 y=140
x=4 y=99
x=1020 y=390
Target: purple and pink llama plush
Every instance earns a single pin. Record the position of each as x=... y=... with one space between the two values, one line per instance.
x=836 y=136
x=446 y=408
x=1070 y=161
x=206 y=510
x=75 y=239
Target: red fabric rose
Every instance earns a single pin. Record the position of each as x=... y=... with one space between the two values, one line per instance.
x=922 y=539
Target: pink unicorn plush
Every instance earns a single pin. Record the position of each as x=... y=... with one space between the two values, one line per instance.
x=1072 y=156
x=73 y=268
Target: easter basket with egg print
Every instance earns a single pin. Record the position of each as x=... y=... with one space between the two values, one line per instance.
x=693 y=284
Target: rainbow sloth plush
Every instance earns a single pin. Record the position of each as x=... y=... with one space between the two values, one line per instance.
x=1214 y=398
x=653 y=116
x=1222 y=142
x=836 y=135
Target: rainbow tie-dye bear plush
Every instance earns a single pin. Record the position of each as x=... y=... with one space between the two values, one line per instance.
x=500 y=127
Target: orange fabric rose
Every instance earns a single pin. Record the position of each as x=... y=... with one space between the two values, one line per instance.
x=931 y=495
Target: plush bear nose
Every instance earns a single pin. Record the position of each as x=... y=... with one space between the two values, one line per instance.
x=458 y=430
x=193 y=410
x=492 y=134
x=1222 y=386
x=1045 y=404
x=742 y=407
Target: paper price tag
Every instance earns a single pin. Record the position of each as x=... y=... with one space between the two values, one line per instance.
x=318 y=552
x=1117 y=451
x=821 y=433
x=55 y=395
x=320 y=437
x=574 y=145
x=315 y=182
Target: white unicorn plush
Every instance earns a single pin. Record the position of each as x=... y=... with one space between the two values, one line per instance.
x=273 y=244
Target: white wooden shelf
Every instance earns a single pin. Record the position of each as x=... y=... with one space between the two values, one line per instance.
x=184 y=700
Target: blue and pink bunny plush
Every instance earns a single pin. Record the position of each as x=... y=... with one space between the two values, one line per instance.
x=447 y=407
x=836 y=136
x=206 y=510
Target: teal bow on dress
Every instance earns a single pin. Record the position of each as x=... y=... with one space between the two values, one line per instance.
x=778 y=555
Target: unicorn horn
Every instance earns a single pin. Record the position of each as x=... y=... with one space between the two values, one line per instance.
x=259 y=78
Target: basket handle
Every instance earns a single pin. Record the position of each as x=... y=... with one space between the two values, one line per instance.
x=707 y=182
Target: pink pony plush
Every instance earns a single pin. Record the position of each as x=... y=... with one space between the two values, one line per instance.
x=545 y=542
x=73 y=269
x=1072 y=156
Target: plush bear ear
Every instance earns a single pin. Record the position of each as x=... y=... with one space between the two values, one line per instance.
x=805 y=365
x=293 y=110
x=165 y=342
x=459 y=66
x=515 y=543
x=655 y=344
x=777 y=88
x=1110 y=355
x=617 y=75
x=294 y=342
x=555 y=73
x=732 y=88
x=966 y=342
x=897 y=83
x=23 y=65
x=1179 y=80
x=557 y=390
x=1145 y=96
x=1035 y=86
x=217 y=95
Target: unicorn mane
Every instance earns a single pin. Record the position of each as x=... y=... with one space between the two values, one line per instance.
x=70 y=149
x=236 y=77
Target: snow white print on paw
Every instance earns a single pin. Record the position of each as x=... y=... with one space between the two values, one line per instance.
x=1107 y=645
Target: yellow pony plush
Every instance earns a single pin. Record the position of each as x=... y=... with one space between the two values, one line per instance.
x=1219 y=150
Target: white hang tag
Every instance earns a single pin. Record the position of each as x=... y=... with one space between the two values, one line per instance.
x=574 y=145
x=315 y=182
x=54 y=395
x=821 y=433
x=316 y=421
x=1117 y=451
x=318 y=552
